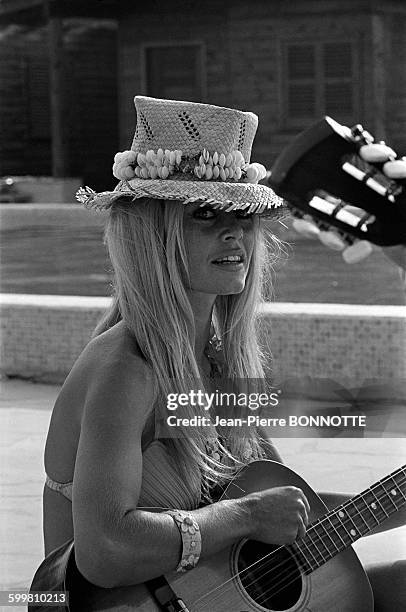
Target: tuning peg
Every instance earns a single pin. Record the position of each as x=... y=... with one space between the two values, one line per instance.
x=357 y=251
x=305 y=228
x=377 y=152
x=395 y=169
x=331 y=240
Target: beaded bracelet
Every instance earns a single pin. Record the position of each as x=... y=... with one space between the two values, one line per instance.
x=191 y=539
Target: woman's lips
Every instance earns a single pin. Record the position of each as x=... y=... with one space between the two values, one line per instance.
x=229 y=265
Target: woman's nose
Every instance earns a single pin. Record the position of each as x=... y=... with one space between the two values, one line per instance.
x=233 y=229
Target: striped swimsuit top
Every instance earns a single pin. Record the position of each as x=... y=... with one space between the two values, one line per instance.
x=162 y=485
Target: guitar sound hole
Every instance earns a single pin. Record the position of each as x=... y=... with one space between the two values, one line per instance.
x=271 y=580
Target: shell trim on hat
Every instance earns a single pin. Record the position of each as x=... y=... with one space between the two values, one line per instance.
x=205 y=165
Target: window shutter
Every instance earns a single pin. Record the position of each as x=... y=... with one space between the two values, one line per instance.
x=337 y=60
x=339 y=99
x=301 y=100
x=319 y=78
x=301 y=72
x=301 y=61
x=338 y=73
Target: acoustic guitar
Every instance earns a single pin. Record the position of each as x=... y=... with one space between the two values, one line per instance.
x=322 y=175
x=317 y=573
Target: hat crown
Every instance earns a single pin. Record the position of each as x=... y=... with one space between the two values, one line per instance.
x=192 y=127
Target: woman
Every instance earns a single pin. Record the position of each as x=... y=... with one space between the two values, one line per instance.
x=187 y=244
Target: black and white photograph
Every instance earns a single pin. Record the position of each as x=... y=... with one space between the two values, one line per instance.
x=203 y=306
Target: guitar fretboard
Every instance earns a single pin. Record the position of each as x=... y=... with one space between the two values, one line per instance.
x=338 y=529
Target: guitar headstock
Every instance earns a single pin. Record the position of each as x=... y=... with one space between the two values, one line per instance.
x=322 y=173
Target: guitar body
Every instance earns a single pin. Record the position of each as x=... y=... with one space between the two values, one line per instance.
x=340 y=585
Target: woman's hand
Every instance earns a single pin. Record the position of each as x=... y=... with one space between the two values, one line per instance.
x=393 y=168
x=278 y=515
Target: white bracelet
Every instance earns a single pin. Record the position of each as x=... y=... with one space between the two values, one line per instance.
x=191 y=539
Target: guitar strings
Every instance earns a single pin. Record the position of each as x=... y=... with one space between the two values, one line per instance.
x=283 y=578
x=282 y=584
x=267 y=561
x=311 y=527
x=269 y=592
x=272 y=593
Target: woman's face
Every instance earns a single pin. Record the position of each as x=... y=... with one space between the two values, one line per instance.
x=219 y=247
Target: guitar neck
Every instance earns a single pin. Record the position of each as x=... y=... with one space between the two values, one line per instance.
x=338 y=529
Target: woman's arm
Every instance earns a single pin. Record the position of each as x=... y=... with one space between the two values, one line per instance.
x=116 y=543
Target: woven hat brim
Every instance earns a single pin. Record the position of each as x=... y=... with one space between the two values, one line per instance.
x=253 y=198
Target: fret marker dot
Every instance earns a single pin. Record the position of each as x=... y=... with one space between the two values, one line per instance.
x=373 y=506
x=341 y=514
x=393 y=492
x=353 y=532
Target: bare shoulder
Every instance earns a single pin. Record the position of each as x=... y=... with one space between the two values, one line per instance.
x=115 y=369
x=110 y=382
x=110 y=361
x=115 y=342
x=119 y=398
x=115 y=347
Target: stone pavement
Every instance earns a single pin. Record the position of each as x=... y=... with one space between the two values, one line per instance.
x=346 y=464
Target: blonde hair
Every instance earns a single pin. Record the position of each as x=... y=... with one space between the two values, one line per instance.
x=147 y=251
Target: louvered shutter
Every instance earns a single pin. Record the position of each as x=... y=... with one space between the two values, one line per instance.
x=320 y=78
x=301 y=71
x=338 y=78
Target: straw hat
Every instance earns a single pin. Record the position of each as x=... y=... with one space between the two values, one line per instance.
x=190 y=152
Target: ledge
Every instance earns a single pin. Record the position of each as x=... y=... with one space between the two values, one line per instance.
x=53 y=301
x=303 y=309
x=311 y=309
x=42 y=336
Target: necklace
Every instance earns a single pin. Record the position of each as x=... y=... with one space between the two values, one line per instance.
x=212 y=449
x=213 y=353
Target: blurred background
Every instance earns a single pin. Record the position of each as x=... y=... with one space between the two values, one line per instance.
x=69 y=71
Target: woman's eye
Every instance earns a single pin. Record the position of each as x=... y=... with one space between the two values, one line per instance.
x=242 y=214
x=204 y=213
